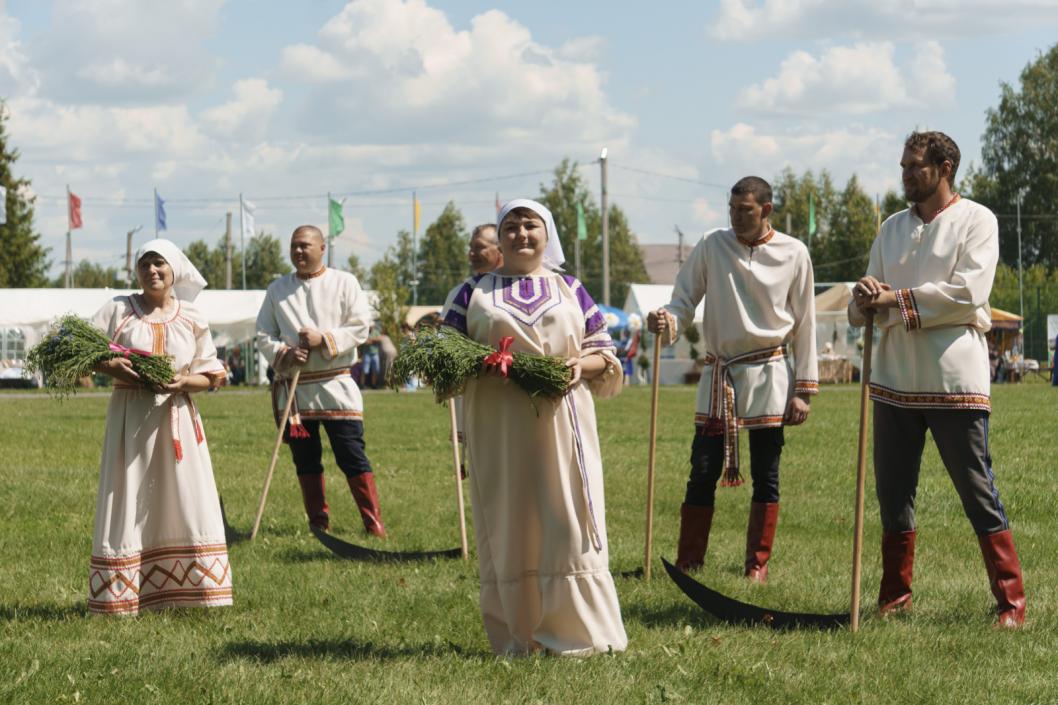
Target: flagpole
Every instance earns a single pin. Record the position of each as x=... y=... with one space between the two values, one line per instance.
x=330 y=235
x=242 y=240
x=414 y=252
x=69 y=242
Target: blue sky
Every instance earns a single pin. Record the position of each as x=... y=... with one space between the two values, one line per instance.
x=284 y=102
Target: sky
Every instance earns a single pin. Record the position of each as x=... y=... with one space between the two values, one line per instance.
x=371 y=100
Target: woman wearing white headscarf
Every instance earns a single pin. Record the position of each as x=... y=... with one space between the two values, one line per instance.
x=159 y=536
x=536 y=485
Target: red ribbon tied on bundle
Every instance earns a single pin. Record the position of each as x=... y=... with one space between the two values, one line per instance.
x=502 y=359
x=115 y=347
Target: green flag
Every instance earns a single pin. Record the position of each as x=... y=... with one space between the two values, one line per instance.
x=582 y=227
x=336 y=218
x=811 y=215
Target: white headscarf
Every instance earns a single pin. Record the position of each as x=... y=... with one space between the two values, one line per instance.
x=187 y=281
x=553 y=257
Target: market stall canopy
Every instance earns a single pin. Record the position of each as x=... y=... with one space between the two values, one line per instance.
x=1004 y=320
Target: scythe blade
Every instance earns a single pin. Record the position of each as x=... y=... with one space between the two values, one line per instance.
x=733 y=611
x=350 y=551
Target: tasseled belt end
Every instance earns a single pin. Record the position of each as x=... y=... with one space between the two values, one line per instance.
x=732 y=477
x=297 y=429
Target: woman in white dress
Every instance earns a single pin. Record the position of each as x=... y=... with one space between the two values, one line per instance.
x=537 y=485
x=159 y=536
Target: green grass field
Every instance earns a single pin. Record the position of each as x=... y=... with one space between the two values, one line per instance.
x=310 y=628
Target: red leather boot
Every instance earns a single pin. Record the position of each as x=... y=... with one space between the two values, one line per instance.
x=760 y=535
x=366 y=495
x=695 y=523
x=315 y=504
x=1004 y=575
x=898 y=560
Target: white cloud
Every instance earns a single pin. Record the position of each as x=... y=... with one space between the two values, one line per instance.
x=753 y=20
x=112 y=51
x=245 y=117
x=871 y=153
x=17 y=75
x=705 y=214
x=399 y=66
x=858 y=79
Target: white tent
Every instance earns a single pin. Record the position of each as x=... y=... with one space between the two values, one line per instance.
x=232 y=314
x=675 y=360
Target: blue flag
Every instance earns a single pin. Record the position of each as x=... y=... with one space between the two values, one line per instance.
x=159 y=212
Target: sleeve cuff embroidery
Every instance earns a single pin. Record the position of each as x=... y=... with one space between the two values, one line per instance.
x=332 y=347
x=908 y=309
x=805 y=386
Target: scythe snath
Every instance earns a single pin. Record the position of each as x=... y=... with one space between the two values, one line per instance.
x=733 y=611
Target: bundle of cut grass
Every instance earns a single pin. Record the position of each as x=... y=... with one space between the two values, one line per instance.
x=73 y=347
x=445 y=359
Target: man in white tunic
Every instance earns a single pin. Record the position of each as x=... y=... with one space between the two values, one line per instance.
x=928 y=279
x=313 y=320
x=759 y=302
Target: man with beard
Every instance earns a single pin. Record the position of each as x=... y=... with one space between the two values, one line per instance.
x=313 y=319
x=928 y=281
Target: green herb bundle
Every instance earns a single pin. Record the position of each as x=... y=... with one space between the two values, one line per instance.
x=445 y=359
x=73 y=347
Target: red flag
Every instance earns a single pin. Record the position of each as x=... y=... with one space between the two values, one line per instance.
x=74 y=210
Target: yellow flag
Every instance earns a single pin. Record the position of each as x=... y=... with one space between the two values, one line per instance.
x=418 y=211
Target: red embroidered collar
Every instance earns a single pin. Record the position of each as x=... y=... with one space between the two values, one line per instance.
x=314 y=274
x=937 y=212
x=762 y=240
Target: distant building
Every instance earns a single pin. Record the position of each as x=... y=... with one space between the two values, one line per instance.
x=663 y=262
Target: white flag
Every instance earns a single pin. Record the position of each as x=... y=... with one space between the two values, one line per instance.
x=247 y=219
x=3 y=205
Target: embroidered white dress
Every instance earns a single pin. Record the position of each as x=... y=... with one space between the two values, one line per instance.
x=932 y=353
x=536 y=474
x=332 y=302
x=159 y=535
x=759 y=311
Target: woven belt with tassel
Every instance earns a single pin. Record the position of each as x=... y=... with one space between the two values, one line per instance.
x=174 y=400
x=723 y=411
x=296 y=427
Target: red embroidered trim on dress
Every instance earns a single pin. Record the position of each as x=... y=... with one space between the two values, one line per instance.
x=806 y=386
x=931 y=400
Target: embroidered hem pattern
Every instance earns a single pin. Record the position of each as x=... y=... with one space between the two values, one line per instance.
x=806 y=386
x=174 y=576
x=931 y=400
x=908 y=309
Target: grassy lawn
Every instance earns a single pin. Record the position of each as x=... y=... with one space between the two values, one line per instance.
x=309 y=628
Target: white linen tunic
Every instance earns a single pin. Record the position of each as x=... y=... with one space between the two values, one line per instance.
x=159 y=535
x=536 y=473
x=932 y=352
x=759 y=301
x=332 y=302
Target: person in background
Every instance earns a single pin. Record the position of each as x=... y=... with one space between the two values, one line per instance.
x=312 y=320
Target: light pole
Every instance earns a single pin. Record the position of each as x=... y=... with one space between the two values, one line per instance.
x=605 y=233
x=1021 y=280
x=128 y=255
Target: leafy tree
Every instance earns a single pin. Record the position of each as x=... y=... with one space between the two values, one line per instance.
x=892 y=202
x=443 y=255
x=353 y=265
x=626 y=258
x=1020 y=151
x=210 y=263
x=790 y=195
x=393 y=293
x=87 y=275
x=851 y=228
x=23 y=260
x=266 y=260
